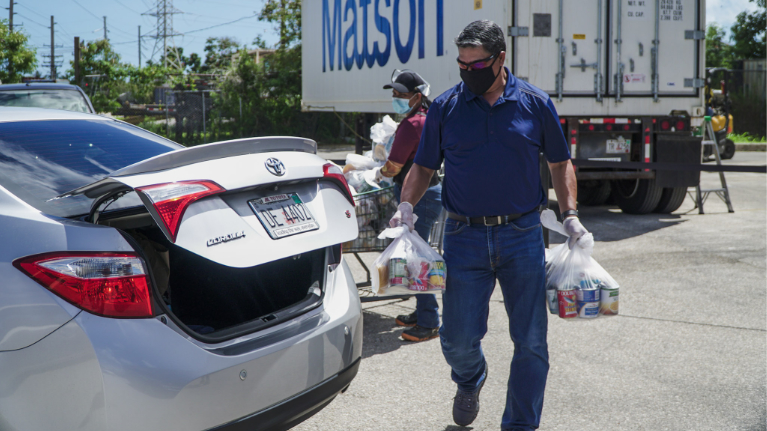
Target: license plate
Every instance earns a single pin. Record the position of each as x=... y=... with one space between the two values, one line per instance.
x=283 y=215
x=618 y=146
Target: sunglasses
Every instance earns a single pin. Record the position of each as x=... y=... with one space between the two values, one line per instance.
x=478 y=64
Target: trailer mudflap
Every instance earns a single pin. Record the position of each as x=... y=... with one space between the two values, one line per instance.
x=681 y=150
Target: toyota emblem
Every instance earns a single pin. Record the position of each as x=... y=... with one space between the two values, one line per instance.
x=275 y=166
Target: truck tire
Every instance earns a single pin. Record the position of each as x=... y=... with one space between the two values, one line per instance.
x=727 y=149
x=636 y=196
x=671 y=199
x=593 y=192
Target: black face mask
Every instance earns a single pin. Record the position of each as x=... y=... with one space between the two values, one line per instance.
x=479 y=81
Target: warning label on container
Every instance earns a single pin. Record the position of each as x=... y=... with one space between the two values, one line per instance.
x=629 y=78
x=671 y=10
x=637 y=9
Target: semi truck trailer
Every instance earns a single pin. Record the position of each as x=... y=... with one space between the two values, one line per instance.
x=626 y=76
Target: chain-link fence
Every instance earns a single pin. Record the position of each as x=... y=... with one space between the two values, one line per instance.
x=202 y=116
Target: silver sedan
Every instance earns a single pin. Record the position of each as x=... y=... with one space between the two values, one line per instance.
x=148 y=286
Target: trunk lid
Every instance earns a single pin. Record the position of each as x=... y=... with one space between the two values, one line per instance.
x=276 y=200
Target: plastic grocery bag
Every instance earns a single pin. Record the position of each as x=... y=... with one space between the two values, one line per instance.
x=381 y=132
x=575 y=270
x=361 y=162
x=408 y=265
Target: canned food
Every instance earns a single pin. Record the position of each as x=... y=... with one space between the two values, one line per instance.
x=567 y=303
x=608 y=300
x=421 y=281
x=551 y=300
x=588 y=310
x=437 y=275
x=398 y=273
x=587 y=295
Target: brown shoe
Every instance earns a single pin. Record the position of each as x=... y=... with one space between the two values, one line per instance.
x=419 y=333
x=406 y=319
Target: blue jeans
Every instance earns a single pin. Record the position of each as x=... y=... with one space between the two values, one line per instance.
x=476 y=256
x=427 y=210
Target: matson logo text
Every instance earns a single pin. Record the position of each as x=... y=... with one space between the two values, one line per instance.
x=352 y=47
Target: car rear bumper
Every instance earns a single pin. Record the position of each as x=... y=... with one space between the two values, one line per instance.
x=293 y=411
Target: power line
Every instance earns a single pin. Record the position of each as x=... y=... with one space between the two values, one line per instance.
x=219 y=25
x=126 y=7
x=87 y=10
x=31 y=20
x=31 y=10
x=99 y=18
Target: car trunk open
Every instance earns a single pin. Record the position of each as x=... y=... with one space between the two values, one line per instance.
x=217 y=301
x=222 y=268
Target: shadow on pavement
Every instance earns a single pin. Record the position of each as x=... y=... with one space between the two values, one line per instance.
x=457 y=428
x=609 y=223
x=380 y=334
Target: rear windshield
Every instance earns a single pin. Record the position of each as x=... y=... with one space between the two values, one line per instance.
x=43 y=159
x=68 y=100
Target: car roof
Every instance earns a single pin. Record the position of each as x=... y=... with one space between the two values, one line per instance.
x=10 y=114
x=39 y=85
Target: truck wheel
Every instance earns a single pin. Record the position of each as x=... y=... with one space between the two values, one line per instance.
x=727 y=149
x=671 y=199
x=593 y=192
x=637 y=196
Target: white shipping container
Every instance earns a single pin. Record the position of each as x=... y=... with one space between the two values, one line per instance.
x=595 y=58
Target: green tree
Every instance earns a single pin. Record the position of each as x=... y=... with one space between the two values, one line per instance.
x=104 y=76
x=16 y=56
x=271 y=88
x=218 y=54
x=748 y=33
x=141 y=82
x=286 y=14
x=718 y=52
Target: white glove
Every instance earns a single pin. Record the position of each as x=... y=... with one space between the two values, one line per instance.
x=574 y=230
x=403 y=216
x=378 y=176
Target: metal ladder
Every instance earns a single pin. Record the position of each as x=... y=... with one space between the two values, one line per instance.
x=723 y=192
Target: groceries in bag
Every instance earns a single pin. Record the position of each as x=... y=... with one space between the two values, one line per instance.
x=576 y=285
x=408 y=265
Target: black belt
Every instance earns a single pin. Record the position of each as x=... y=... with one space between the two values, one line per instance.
x=487 y=221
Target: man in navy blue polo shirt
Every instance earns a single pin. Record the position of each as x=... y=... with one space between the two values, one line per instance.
x=488 y=130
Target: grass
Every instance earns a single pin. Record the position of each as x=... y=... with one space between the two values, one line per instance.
x=745 y=137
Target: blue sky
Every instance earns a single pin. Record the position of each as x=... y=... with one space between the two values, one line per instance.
x=83 y=18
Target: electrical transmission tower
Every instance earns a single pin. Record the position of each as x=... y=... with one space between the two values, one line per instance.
x=164 y=33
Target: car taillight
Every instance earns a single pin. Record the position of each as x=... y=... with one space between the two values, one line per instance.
x=335 y=173
x=107 y=284
x=172 y=199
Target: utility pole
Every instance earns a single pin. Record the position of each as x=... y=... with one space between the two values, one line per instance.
x=53 y=56
x=10 y=28
x=139 y=47
x=53 y=52
x=77 y=60
x=105 y=28
x=282 y=26
x=10 y=15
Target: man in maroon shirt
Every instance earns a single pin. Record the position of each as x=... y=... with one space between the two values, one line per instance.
x=409 y=96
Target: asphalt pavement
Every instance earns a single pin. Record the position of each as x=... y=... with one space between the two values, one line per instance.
x=687 y=352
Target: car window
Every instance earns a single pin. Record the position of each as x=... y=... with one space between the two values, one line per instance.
x=68 y=100
x=43 y=159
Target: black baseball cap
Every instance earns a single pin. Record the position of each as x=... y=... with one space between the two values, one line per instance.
x=405 y=81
